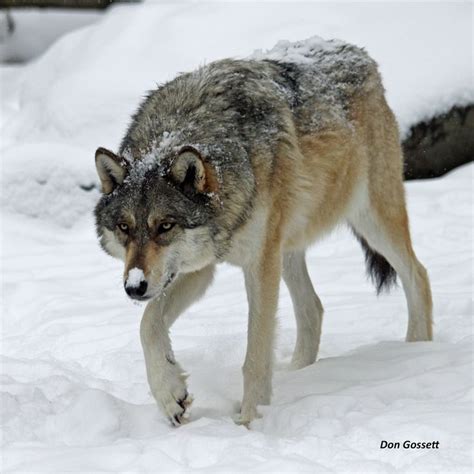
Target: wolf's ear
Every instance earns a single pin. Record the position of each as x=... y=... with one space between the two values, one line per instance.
x=192 y=173
x=110 y=168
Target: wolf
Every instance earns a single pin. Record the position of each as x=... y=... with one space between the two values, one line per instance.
x=249 y=161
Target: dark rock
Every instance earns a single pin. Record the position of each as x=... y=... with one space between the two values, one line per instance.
x=438 y=145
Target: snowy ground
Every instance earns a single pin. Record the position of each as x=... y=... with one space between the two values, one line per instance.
x=74 y=391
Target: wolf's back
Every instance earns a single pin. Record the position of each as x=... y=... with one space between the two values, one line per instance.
x=324 y=77
x=228 y=107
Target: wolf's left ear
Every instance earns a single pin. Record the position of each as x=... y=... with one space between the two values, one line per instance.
x=192 y=173
x=110 y=168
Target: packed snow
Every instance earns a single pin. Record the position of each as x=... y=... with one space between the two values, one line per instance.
x=25 y=33
x=74 y=391
x=301 y=52
x=135 y=277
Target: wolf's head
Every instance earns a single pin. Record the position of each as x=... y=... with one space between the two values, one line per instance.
x=157 y=220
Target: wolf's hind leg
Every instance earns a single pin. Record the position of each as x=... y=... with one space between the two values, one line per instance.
x=165 y=376
x=385 y=228
x=307 y=307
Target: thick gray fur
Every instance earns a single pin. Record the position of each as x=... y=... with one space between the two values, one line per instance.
x=230 y=111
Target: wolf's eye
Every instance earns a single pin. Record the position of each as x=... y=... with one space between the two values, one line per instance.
x=123 y=227
x=165 y=227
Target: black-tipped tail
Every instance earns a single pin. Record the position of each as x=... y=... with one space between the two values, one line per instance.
x=381 y=273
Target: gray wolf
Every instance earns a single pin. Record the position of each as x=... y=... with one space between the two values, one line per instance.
x=249 y=162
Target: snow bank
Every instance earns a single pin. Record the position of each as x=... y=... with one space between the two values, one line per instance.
x=48 y=181
x=32 y=31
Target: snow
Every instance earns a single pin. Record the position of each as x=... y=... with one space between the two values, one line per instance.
x=32 y=31
x=49 y=181
x=74 y=390
x=300 y=52
x=135 y=277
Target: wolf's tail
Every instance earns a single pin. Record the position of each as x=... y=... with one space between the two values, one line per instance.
x=381 y=273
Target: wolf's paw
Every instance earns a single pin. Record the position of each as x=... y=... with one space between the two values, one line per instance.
x=304 y=354
x=299 y=361
x=177 y=407
x=419 y=333
x=245 y=417
x=171 y=394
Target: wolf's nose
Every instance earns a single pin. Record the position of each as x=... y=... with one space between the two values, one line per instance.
x=137 y=291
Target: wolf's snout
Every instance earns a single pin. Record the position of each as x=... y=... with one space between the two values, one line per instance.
x=135 y=284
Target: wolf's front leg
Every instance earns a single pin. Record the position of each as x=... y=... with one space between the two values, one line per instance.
x=165 y=376
x=262 y=282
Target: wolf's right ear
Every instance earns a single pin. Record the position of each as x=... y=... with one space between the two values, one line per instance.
x=192 y=173
x=110 y=168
